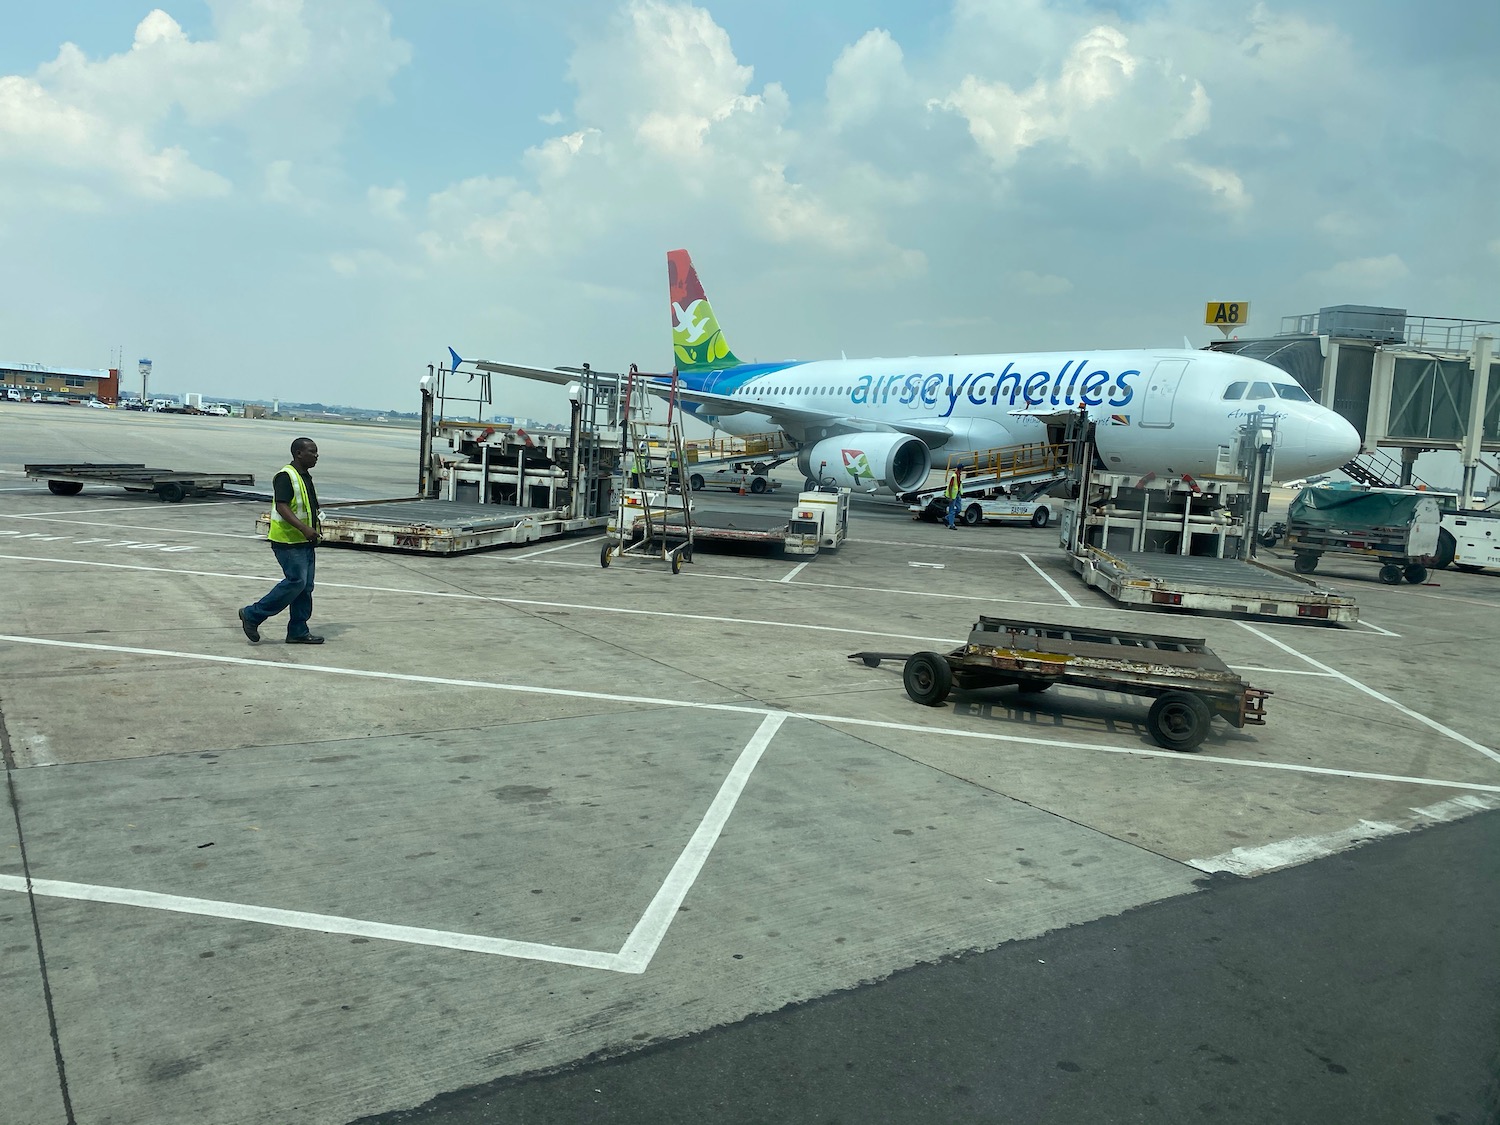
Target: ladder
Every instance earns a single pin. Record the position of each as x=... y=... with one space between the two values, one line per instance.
x=663 y=515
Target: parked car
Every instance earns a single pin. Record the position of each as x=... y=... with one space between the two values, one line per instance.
x=96 y=404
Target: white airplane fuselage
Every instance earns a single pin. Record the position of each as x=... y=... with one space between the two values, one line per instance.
x=1168 y=412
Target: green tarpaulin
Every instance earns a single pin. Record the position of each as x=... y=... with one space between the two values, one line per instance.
x=1345 y=508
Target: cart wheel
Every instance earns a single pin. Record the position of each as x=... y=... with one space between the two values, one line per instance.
x=972 y=515
x=1179 y=720
x=1391 y=573
x=1416 y=574
x=1041 y=517
x=171 y=492
x=1268 y=538
x=695 y=482
x=676 y=562
x=1305 y=562
x=1033 y=687
x=65 y=487
x=927 y=678
x=870 y=661
x=687 y=553
x=758 y=485
x=606 y=555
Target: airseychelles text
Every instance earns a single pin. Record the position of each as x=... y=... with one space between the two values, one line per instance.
x=1070 y=386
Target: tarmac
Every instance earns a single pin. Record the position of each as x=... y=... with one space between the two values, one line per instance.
x=524 y=821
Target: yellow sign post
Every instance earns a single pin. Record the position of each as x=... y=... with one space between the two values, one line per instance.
x=1226 y=316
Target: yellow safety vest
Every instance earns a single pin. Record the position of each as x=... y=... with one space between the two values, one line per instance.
x=282 y=531
x=951 y=492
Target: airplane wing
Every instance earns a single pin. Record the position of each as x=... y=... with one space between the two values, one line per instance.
x=541 y=374
x=803 y=418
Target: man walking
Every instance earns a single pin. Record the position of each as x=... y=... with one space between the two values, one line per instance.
x=953 y=490
x=294 y=540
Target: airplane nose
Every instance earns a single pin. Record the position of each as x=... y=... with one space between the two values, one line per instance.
x=1331 y=442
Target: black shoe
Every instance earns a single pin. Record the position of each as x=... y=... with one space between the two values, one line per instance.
x=251 y=631
x=305 y=639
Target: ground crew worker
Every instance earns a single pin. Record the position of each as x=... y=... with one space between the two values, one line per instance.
x=638 y=466
x=294 y=538
x=953 y=490
x=672 y=466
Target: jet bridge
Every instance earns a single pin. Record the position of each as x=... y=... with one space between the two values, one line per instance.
x=1407 y=383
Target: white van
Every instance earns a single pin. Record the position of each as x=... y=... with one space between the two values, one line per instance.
x=12 y=394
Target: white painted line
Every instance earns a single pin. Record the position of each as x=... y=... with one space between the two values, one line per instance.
x=755 y=709
x=1377 y=628
x=640 y=946
x=1373 y=694
x=796 y=570
x=1455 y=807
x=499 y=600
x=1299 y=849
x=934 y=546
x=84 y=512
x=643 y=941
x=1048 y=578
x=1279 y=671
x=591 y=539
x=322 y=923
x=1454 y=598
x=133 y=527
x=933 y=566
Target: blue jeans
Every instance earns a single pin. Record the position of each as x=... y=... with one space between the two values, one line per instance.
x=298 y=562
x=954 y=506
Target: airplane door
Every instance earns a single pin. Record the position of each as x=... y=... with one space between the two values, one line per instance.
x=1161 y=392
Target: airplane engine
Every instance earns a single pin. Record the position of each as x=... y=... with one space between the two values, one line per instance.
x=864 y=461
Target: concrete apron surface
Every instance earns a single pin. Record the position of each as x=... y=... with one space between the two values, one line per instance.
x=519 y=809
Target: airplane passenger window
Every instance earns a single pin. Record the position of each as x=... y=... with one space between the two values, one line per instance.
x=1235 y=390
x=1293 y=392
x=1261 y=390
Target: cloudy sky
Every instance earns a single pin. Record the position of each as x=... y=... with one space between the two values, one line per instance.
x=313 y=200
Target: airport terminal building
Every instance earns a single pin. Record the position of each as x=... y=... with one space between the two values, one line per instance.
x=38 y=382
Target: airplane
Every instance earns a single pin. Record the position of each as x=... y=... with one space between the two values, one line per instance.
x=873 y=424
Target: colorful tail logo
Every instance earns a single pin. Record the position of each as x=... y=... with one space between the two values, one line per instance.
x=696 y=337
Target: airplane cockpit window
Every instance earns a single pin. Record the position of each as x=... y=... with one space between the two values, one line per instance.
x=1293 y=392
x=1235 y=390
x=1261 y=390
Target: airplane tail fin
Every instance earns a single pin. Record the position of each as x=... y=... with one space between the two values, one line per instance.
x=697 y=340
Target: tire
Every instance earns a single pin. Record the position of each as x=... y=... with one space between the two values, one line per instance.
x=1033 y=686
x=1179 y=720
x=1392 y=573
x=1268 y=538
x=695 y=482
x=758 y=485
x=171 y=492
x=1447 y=548
x=973 y=515
x=1041 y=517
x=64 y=487
x=1305 y=562
x=927 y=678
x=687 y=553
x=606 y=555
x=676 y=562
x=1416 y=574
